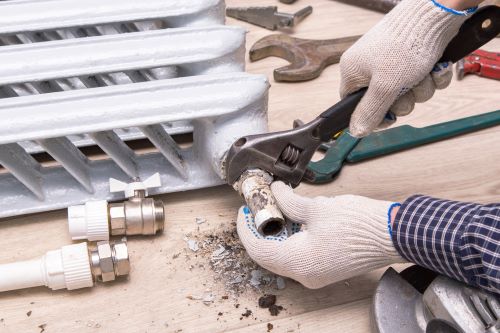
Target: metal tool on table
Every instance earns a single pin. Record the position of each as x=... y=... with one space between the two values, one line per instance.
x=383 y=6
x=351 y=150
x=307 y=57
x=420 y=301
x=286 y=155
x=480 y=62
x=268 y=17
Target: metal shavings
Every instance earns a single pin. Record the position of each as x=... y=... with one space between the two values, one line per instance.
x=194 y=298
x=219 y=253
x=93 y=324
x=256 y=278
x=237 y=280
x=231 y=264
x=280 y=283
x=200 y=220
x=193 y=245
x=208 y=298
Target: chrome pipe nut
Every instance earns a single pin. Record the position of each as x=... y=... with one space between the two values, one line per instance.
x=106 y=261
x=121 y=259
x=117 y=219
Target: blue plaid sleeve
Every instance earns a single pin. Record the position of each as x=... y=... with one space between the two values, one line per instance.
x=457 y=239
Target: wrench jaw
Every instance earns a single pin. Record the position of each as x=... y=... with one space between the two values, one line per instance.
x=278 y=45
x=282 y=46
x=307 y=57
x=255 y=161
x=285 y=155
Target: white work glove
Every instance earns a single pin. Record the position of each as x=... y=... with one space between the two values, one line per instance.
x=395 y=60
x=341 y=237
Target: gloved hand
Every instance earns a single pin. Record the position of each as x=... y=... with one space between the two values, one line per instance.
x=395 y=60
x=341 y=237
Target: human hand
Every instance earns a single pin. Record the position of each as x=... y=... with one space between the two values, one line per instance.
x=341 y=237
x=396 y=60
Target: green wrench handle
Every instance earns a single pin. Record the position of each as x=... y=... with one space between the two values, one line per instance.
x=352 y=150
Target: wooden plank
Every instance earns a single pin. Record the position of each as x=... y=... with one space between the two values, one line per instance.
x=350 y=317
x=153 y=298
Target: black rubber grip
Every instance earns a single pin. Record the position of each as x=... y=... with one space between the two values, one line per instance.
x=478 y=30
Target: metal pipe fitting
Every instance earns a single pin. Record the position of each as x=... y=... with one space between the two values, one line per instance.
x=137 y=216
x=98 y=220
x=255 y=187
x=71 y=267
x=109 y=260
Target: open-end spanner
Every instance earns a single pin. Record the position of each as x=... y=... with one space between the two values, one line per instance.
x=307 y=57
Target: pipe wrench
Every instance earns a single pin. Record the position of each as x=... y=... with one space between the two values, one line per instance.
x=286 y=154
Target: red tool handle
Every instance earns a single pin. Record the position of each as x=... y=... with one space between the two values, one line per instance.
x=483 y=63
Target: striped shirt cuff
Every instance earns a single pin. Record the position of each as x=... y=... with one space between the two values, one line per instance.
x=457 y=239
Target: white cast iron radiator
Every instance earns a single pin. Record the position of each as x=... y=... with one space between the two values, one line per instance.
x=127 y=77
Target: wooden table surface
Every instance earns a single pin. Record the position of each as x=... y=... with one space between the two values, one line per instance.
x=154 y=297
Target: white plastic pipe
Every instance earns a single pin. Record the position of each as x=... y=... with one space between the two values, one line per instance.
x=68 y=267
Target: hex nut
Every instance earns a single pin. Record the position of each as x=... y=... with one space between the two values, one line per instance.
x=117 y=219
x=106 y=261
x=121 y=259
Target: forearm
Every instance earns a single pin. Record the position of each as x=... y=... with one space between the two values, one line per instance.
x=460 y=4
x=457 y=239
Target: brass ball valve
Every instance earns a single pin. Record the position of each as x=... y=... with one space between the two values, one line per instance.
x=139 y=215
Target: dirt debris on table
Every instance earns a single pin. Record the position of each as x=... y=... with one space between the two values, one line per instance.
x=275 y=310
x=269 y=302
x=234 y=271
x=42 y=327
x=232 y=265
x=247 y=313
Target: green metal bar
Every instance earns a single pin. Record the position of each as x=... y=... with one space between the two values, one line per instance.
x=406 y=137
x=325 y=169
x=347 y=148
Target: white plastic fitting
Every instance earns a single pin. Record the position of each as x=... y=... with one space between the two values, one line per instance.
x=89 y=221
x=66 y=268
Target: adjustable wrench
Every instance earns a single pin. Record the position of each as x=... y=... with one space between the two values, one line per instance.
x=286 y=154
